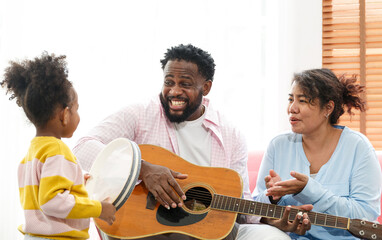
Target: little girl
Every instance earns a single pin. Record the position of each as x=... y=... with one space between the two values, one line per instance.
x=51 y=184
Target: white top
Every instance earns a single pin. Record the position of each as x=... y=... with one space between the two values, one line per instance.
x=313 y=175
x=194 y=141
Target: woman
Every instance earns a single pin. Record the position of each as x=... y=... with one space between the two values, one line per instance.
x=329 y=166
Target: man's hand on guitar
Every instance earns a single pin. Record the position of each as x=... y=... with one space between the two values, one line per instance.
x=160 y=181
x=300 y=224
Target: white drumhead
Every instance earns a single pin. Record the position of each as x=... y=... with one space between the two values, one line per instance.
x=115 y=172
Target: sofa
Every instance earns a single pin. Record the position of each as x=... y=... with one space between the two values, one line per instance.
x=254 y=160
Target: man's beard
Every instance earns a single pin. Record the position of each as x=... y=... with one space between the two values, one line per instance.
x=190 y=109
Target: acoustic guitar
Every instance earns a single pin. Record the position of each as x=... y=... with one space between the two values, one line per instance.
x=213 y=202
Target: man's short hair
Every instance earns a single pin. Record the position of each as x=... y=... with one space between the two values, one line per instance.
x=190 y=53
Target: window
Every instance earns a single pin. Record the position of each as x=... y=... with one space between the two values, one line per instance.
x=352 y=43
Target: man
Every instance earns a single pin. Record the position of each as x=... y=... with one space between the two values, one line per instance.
x=182 y=121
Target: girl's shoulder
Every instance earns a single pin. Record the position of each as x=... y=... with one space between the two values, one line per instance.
x=46 y=147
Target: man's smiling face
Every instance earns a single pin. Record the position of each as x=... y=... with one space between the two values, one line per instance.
x=183 y=90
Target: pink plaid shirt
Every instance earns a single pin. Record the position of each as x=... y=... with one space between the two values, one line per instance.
x=148 y=124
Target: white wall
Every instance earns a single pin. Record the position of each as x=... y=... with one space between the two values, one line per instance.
x=300 y=44
x=113 y=50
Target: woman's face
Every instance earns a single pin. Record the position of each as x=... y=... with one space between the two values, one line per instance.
x=305 y=117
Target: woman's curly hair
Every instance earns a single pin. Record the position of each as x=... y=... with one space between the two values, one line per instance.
x=39 y=86
x=324 y=85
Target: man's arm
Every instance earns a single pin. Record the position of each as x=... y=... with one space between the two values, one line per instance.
x=159 y=180
x=120 y=124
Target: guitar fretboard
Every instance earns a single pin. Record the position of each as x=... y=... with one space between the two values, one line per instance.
x=231 y=204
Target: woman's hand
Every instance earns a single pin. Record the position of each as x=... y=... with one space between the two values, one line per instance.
x=300 y=224
x=292 y=186
x=270 y=181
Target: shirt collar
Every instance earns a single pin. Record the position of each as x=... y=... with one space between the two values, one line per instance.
x=211 y=114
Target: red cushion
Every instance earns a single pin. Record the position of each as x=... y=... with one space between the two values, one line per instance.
x=254 y=160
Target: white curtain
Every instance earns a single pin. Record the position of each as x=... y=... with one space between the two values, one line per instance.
x=113 y=50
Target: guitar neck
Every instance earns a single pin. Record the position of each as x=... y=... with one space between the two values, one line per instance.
x=238 y=205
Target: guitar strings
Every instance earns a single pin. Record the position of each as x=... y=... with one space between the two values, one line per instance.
x=317 y=218
x=199 y=195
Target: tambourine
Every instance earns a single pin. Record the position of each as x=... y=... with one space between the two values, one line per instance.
x=115 y=172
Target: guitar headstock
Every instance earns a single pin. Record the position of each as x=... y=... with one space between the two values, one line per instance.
x=365 y=230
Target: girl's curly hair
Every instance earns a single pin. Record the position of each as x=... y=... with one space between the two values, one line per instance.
x=39 y=86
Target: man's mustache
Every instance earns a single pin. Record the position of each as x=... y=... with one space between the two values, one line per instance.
x=177 y=98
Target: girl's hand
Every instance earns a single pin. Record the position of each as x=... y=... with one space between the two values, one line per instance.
x=108 y=211
x=86 y=177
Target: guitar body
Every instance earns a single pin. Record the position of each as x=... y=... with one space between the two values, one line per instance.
x=135 y=219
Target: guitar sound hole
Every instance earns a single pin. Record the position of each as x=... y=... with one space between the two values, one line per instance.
x=198 y=199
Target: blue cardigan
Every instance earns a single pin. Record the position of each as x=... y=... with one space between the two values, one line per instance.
x=348 y=185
